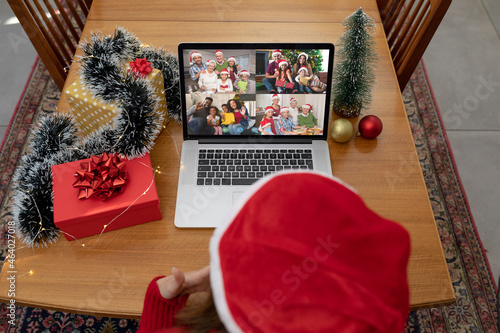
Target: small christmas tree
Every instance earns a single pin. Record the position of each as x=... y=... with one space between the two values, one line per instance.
x=353 y=75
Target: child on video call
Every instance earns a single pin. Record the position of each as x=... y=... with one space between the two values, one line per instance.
x=242 y=85
x=267 y=123
x=309 y=81
x=213 y=119
x=224 y=84
x=227 y=120
x=283 y=74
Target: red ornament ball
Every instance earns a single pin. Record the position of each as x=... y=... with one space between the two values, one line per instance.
x=370 y=127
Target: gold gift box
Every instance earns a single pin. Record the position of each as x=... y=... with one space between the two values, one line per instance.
x=91 y=113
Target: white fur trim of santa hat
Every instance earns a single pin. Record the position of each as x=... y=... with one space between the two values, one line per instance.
x=224 y=71
x=308 y=253
x=277 y=52
x=211 y=60
x=244 y=72
x=282 y=62
x=218 y=51
x=269 y=108
x=303 y=54
x=231 y=58
x=192 y=55
x=303 y=68
x=275 y=96
x=307 y=106
x=285 y=108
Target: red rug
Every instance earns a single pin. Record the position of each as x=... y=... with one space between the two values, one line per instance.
x=476 y=306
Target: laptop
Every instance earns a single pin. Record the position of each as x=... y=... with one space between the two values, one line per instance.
x=240 y=126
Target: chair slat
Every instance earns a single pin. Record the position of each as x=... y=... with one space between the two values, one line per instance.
x=67 y=20
x=54 y=37
x=409 y=27
x=61 y=33
x=76 y=16
x=84 y=8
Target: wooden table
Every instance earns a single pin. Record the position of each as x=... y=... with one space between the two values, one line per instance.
x=111 y=278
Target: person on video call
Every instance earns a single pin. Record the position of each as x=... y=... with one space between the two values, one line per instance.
x=198 y=114
x=197 y=65
x=270 y=79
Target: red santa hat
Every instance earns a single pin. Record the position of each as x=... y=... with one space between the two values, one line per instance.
x=285 y=108
x=269 y=108
x=303 y=54
x=218 y=51
x=211 y=61
x=231 y=58
x=308 y=106
x=224 y=71
x=303 y=68
x=192 y=55
x=277 y=52
x=275 y=96
x=282 y=62
x=293 y=99
x=244 y=72
x=304 y=268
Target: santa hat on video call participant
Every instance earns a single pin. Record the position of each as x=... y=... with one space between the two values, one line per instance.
x=231 y=58
x=282 y=62
x=285 y=108
x=192 y=55
x=218 y=52
x=303 y=54
x=314 y=277
x=293 y=99
x=224 y=71
x=307 y=106
x=277 y=52
x=269 y=108
x=303 y=68
x=244 y=72
x=211 y=61
x=276 y=96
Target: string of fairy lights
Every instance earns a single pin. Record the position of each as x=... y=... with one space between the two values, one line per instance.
x=155 y=171
x=96 y=241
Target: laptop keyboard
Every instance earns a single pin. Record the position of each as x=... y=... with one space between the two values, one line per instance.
x=246 y=166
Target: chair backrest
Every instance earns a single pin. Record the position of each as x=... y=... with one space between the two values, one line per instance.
x=409 y=26
x=54 y=28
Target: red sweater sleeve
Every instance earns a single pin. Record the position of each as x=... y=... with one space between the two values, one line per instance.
x=159 y=313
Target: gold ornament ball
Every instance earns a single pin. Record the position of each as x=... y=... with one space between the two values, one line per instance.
x=342 y=130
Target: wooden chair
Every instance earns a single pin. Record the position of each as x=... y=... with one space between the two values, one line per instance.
x=409 y=26
x=54 y=28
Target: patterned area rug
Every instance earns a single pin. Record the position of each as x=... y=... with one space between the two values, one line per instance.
x=475 y=309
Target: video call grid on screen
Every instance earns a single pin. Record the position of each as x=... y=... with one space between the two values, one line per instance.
x=250 y=93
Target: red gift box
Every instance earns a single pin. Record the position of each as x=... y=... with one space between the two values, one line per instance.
x=284 y=84
x=87 y=217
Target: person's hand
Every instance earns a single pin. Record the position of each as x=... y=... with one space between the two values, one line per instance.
x=202 y=87
x=184 y=283
x=198 y=104
x=203 y=72
x=217 y=72
x=239 y=67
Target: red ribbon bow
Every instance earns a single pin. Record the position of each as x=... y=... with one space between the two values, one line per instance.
x=140 y=66
x=102 y=177
x=224 y=86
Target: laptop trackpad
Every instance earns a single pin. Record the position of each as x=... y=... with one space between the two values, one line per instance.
x=237 y=197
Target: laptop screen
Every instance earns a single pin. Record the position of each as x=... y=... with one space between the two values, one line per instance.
x=251 y=90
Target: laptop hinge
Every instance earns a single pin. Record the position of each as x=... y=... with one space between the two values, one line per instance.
x=259 y=140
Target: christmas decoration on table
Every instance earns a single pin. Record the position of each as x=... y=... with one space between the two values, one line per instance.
x=370 y=127
x=101 y=176
x=130 y=132
x=353 y=75
x=136 y=203
x=342 y=130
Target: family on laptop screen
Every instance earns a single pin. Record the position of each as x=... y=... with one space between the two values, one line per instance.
x=254 y=92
